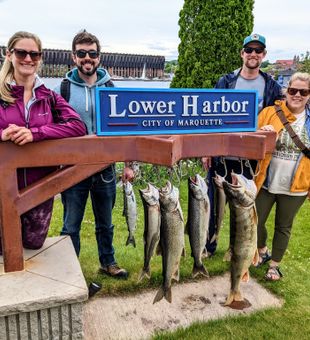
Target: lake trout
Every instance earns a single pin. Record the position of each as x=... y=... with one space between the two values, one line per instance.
x=220 y=202
x=241 y=198
x=130 y=212
x=197 y=225
x=171 y=239
x=152 y=218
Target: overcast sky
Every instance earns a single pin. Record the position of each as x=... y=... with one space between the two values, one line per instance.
x=146 y=26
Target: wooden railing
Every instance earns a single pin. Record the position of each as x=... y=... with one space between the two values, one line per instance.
x=83 y=156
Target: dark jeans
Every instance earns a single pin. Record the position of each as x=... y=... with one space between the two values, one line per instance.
x=286 y=210
x=102 y=189
x=223 y=168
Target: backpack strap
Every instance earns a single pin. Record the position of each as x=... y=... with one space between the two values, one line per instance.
x=291 y=132
x=109 y=83
x=65 y=89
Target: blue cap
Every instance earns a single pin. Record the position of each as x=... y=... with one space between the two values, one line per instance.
x=254 y=38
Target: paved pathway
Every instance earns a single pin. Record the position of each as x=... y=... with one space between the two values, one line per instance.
x=136 y=317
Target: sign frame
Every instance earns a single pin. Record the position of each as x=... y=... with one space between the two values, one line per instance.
x=107 y=110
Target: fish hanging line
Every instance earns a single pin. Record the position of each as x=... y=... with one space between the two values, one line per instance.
x=246 y=163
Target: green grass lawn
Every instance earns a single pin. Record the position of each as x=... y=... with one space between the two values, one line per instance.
x=291 y=321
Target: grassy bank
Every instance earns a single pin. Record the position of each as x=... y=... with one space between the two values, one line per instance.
x=291 y=321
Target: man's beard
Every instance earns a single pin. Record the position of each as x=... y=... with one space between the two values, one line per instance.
x=87 y=73
x=252 y=66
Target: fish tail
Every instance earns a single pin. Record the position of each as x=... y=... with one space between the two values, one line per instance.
x=131 y=240
x=166 y=293
x=199 y=270
x=233 y=296
x=145 y=272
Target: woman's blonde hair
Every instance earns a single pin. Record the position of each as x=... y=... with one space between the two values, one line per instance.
x=7 y=70
x=303 y=76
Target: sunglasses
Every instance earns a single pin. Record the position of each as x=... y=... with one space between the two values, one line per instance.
x=303 y=92
x=93 y=54
x=249 y=50
x=22 y=54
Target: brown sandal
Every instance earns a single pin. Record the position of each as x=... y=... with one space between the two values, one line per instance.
x=273 y=274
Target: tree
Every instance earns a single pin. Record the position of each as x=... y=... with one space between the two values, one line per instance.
x=211 y=34
x=304 y=62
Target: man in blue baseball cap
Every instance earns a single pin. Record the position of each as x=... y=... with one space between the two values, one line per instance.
x=248 y=77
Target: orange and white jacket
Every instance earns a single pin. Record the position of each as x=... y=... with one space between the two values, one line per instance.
x=301 y=177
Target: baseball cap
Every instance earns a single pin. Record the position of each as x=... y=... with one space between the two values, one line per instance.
x=254 y=38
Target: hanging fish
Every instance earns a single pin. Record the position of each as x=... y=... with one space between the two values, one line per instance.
x=152 y=218
x=130 y=212
x=198 y=221
x=171 y=238
x=241 y=198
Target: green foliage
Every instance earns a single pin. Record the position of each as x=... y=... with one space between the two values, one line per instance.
x=211 y=34
x=265 y=64
x=304 y=62
x=170 y=66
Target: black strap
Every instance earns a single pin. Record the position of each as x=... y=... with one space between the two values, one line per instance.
x=291 y=132
x=65 y=89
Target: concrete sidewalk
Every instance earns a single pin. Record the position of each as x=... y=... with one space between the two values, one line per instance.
x=136 y=317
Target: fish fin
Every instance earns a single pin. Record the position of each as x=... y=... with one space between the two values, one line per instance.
x=246 y=276
x=214 y=238
x=159 y=250
x=179 y=209
x=200 y=270
x=255 y=258
x=159 y=295
x=144 y=273
x=176 y=276
x=204 y=253
x=227 y=256
x=131 y=240
x=233 y=296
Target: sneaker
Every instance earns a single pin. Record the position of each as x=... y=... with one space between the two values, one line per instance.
x=114 y=270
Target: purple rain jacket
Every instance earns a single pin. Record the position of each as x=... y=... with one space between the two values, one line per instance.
x=41 y=123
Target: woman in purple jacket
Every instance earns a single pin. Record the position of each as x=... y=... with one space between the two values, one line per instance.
x=26 y=115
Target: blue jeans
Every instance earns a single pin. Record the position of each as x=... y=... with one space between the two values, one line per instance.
x=102 y=189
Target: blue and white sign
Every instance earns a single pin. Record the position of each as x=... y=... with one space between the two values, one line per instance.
x=135 y=111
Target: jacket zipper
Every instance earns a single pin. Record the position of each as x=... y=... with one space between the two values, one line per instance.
x=27 y=119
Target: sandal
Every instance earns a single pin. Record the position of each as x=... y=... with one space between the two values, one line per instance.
x=273 y=274
x=263 y=258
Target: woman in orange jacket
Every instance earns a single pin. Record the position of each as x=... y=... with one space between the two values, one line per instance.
x=284 y=176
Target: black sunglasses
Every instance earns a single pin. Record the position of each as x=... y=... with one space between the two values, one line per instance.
x=93 y=54
x=22 y=54
x=249 y=50
x=303 y=92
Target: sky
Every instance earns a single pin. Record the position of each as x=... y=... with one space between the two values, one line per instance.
x=146 y=26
